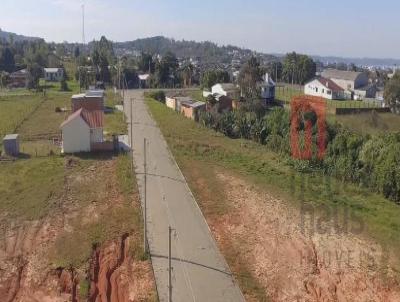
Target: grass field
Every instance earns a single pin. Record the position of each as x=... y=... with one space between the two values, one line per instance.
x=191 y=142
x=369 y=123
x=14 y=110
x=42 y=184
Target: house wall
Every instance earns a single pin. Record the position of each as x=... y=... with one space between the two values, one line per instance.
x=218 y=89
x=96 y=135
x=11 y=147
x=188 y=112
x=268 y=92
x=315 y=88
x=76 y=136
x=54 y=76
x=170 y=103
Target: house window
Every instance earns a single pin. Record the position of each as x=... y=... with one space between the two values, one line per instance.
x=329 y=92
x=323 y=90
x=316 y=89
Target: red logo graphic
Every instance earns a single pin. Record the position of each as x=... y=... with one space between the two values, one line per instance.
x=307 y=111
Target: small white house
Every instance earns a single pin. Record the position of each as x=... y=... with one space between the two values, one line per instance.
x=226 y=89
x=324 y=88
x=53 y=74
x=144 y=80
x=81 y=129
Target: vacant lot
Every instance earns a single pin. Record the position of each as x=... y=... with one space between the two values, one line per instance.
x=200 y=152
x=68 y=225
x=370 y=123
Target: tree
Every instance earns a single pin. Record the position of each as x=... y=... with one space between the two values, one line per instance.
x=211 y=77
x=35 y=73
x=250 y=74
x=77 y=52
x=187 y=74
x=274 y=69
x=7 y=62
x=392 y=93
x=166 y=70
x=298 y=69
x=146 y=63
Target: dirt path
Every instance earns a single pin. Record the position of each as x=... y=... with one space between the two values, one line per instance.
x=288 y=262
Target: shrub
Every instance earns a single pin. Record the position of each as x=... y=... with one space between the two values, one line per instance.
x=158 y=95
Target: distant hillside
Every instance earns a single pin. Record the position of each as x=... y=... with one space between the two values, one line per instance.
x=4 y=35
x=188 y=49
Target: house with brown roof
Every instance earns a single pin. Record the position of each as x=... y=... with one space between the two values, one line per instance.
x=91 y=100
x=325 y=88
x=19 y=79
x=81 y=130
x=191 y=109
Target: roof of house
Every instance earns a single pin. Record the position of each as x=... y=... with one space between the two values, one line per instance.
x=193 y=104
x=95 y=93
x=78 y=96
x=10 y=137
x=20 y=72
x=183 y=99
x=94 y=119
x=340 y=74
x=328 y=83
x=52 y=70
x=144 y=77
x=366 y=87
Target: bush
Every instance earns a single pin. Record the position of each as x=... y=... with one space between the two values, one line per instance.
x=158 y=95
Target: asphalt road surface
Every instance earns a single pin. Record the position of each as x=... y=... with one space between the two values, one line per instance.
x=199 y=271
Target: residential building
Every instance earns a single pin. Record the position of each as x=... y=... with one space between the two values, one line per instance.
x=81 y=130
x=368 y=91
x=91 y=100
x=323 y=87
x=349 y=81
x=144 y=80
x=175 y=102
x=53 y=74
x=191 y=109
x=226 y=89
x=267 y=89
x=19 y=79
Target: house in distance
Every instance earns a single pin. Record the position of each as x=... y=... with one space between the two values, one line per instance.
x=325 y=88
x=53 y=74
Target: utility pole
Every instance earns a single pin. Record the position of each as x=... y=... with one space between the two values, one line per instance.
x=169 y=265
x=145 y=198
x=83 y=26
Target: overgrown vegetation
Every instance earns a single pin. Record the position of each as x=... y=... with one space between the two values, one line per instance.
x=275 y=171
x=369 y=161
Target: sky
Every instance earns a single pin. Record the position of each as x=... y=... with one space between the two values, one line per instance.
x=346 y=28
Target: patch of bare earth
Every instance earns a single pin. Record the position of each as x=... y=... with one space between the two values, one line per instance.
x=288 y=261
x=26 y=273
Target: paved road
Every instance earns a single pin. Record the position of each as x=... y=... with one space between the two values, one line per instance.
x=200 y=272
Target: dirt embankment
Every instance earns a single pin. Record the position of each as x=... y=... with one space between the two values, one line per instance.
x=290 y=262
x=111 y=274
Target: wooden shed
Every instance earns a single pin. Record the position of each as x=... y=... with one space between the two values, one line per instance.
x=11 y=144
